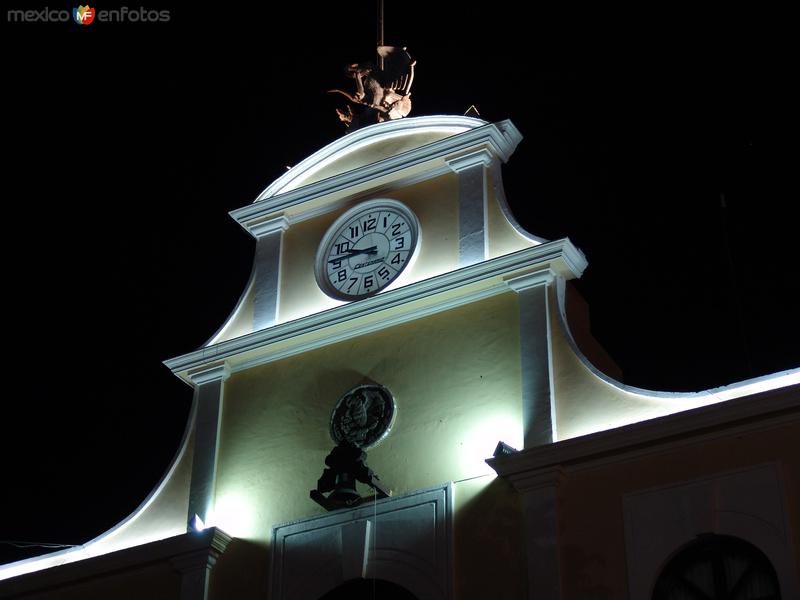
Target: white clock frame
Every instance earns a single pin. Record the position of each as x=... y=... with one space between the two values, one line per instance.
x=335 y=230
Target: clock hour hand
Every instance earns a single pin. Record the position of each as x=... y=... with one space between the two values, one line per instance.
x=354 y=251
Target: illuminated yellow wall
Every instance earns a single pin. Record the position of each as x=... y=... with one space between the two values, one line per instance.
x=503 y=237
x=586 y=403
x=456 y=380
x=165 y=515
x=241 y=320
x=436 y=204
x=375 y=152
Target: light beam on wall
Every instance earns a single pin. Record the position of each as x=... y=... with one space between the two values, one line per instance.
x=480 y=442
x=234 y=514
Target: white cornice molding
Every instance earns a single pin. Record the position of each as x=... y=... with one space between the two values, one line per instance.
x=548 y=477
x=574 y=259
x=353 y=330
x=726 y=418
x=487 y=275
x=501 y=138
x=531 y=280
x=263 y=228
x=194 y=546
x=366 y=136
x=465 y=161
x=213 y=373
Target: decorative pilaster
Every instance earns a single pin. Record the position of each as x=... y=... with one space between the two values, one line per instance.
x=208 y=394
x=540 y=504
x=269 y=240
x=195 y=566
x=472 y=205
x=538 y=399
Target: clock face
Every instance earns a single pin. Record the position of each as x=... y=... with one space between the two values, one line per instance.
x=366 y=249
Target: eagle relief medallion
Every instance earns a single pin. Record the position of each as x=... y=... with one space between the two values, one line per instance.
x=363 y=416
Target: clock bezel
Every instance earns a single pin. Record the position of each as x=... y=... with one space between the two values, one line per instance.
x=332 y=233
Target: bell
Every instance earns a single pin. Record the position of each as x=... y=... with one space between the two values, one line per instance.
x=346 y=465
x=345 y=494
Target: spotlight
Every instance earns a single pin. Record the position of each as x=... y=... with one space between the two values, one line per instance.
x=503 y=449
x=198 y=523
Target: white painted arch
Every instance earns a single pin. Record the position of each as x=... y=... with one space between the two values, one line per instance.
x=747 y=504
x=367 y=145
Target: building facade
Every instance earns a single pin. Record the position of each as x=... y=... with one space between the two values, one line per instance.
x=390 y=260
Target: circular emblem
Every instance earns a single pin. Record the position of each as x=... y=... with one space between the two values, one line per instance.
x=363 y=416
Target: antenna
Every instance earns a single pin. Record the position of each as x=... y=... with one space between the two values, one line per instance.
x=380 y=33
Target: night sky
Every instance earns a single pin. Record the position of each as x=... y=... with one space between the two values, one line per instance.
x=127 y=144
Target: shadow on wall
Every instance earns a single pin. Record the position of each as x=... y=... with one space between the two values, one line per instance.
x=241 y=572
x=489 y=543
x=591 y=570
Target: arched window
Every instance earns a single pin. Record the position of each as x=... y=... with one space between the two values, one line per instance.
x=717 y=567
x=367 y=589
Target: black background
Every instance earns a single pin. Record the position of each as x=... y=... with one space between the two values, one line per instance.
x=127 y=144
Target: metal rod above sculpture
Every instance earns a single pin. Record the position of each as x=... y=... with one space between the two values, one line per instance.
x=381 y=94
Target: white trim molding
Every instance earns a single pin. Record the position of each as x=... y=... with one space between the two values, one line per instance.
x=536 y=356
x=468 y=134
x=473 y=200
x=750 y=413
x=462 y=162
x=267 y=270
x=113 y=541
x=394 y=306
x=531 y=280
x=261 y=228
x=380 y=132
x=192 y=554
x=208 y=396
x=219 y=372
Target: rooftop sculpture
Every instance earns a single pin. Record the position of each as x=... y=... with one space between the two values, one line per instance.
x=383 y=93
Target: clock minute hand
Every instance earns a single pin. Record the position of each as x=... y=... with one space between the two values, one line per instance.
x=354 y=251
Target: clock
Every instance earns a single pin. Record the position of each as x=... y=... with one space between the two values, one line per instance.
x=366 y=249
